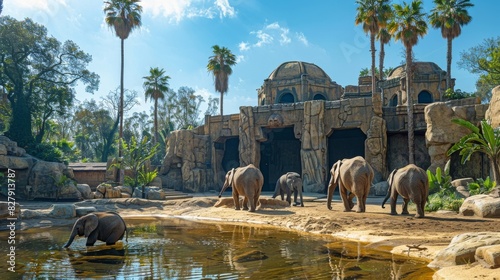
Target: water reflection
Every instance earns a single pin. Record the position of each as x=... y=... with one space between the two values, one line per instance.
x=180 y=249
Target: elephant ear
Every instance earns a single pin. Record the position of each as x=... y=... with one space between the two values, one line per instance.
x=90 y=224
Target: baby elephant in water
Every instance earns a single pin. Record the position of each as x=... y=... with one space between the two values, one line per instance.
x=288 y=183
x=108 y=227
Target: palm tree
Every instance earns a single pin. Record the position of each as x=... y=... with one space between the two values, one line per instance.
x=155 y=87
x=373 y=14
x=482 y=139
x=407 y=26
x=450 y=16
x=384 y=38
x=124 y=16
x=219 y=64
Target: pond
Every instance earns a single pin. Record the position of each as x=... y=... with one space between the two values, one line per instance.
x=171 y=248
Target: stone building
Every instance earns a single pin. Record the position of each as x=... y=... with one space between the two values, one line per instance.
x=304 y=122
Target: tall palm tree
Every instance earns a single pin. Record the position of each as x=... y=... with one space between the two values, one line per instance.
x=384 y=37
x=407 y=26
x=155 y=86
x=124 y=16
x=219 y=64
x=450 y=16
x=373 y=15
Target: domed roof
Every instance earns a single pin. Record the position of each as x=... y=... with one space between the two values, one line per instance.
x=420 y=68
x=295 y=69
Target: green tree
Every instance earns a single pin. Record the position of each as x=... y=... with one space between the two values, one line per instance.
x=407 y=26
x=219 y=65
x=484 y=60
x=373 y=14
x=155 y=87
x=187 y=108
x=33 y=65
x=483 y=139
x=450 y=16
x=123 y=16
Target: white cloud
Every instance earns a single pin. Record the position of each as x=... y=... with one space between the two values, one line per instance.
x=301 y=37
x=49 y=6
x=263 y=37
x=240 y=58
x=284 y=36
x=243 y=46
x=177 y=10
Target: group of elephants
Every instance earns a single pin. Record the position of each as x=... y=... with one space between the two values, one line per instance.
x=354 y=177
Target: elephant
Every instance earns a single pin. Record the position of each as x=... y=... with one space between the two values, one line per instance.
x=246 y=181
x=410 y=182
x=353 y=175
x=108 y=227
x=288 y=183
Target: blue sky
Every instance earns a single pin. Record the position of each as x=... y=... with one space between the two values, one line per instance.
x=177 y=35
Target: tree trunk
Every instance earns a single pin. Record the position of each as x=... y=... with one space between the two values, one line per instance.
x=409 y=98
x=221 y=103
x=495 y=168
x=109 y=140
x=448 y=64
x=376 y=98
x=381 y=62
x=121 y=172
x=155 y=137
x=20 y=122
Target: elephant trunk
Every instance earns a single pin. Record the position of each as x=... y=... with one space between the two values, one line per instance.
x=71 y=238
x=223 y=189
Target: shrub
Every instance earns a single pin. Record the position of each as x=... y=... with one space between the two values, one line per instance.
x=442 y=193
x=45 y=151
x=481 y=186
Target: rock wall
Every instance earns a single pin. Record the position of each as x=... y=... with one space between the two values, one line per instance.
x=186 y=165
x=36 y=179
x=493 y=112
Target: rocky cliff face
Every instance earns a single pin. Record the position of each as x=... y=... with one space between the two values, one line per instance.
x=34 y=178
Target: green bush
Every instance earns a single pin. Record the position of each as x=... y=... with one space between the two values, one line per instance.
x=45 y=151
x=442 y=193
x=481 y=186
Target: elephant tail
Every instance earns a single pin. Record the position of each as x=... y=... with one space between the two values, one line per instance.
x=390 y=181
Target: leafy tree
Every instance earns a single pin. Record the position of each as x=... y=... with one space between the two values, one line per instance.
x=484 y=60
x=407 y=26
x=213 y=103
x=187 y=106
x=373 y=14
x=123 y=16
x=450 y=16
x=136 y=154
x=138 y=125
x=155 y=87
x=219 y=65
x=483 y=139
x=457 y=94
x=37 y=67
x=367 y=72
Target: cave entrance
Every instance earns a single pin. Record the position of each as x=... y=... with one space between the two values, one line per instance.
x=278 y=155
x=231 y=157
x=344 y=143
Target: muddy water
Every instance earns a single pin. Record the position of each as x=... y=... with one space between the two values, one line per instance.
x=180 y=249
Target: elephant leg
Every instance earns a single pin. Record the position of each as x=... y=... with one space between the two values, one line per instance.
x=236 y=199
x=420 y=209
x=301 y=198
x=351 y=197
x=255 y=203
x=245 y=203
x=92 y=238
x=394 y=199
x=345 y=198
x=295 y=197
x=362 y=203
x=405 y=206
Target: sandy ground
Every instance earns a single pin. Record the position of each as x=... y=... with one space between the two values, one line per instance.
x=424 y=237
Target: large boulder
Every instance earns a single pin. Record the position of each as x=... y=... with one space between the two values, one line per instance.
x=461 y=186
x=85 y=190
x=493 y=112
x=11 y=147
x=43 y=179
x=462 y=248
x=488 y=256
x=481 y=205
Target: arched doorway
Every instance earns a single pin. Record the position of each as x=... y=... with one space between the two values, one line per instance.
x=278 y=155
x=286 y=98
x=425 y=97
x=319 y=96
x=344 y=143
x=393 y=102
